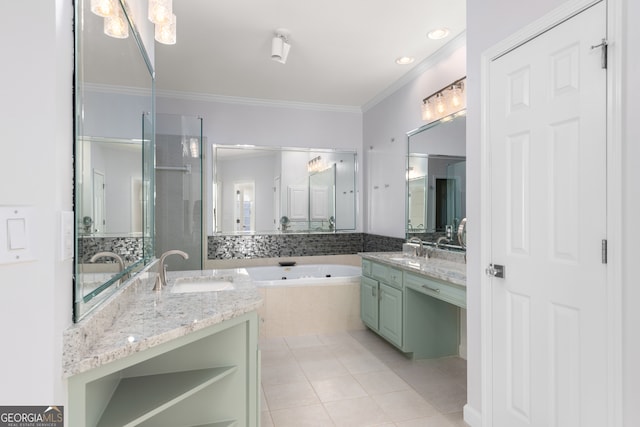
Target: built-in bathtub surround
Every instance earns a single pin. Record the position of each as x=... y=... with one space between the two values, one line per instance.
x=313 y=299
x=129 y=248
x=222 y=247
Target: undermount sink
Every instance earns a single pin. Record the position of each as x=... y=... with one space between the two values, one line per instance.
x=409 y=260
x=202 y=284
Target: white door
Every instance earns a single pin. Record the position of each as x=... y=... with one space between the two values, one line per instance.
x=547 y=145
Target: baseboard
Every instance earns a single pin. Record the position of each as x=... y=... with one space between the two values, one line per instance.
x=471 y=416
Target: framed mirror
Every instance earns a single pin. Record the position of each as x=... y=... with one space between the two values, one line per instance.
x=286 y=190
x=114 y=130
x=436 y=179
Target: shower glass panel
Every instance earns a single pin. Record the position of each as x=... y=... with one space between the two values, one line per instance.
x=178 y=213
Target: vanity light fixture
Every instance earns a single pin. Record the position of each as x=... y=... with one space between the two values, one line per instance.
x=165 y=33
x=104 y=8
x=448 y=100
x=280 y=46
x=438 y=33
x=116 y=26
x=160 y=11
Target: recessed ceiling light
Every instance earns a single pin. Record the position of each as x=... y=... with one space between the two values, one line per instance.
x=405 y=60
x=438 y=33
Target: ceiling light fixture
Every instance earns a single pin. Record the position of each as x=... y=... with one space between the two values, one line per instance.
x=438 y=33
x=448 y=100
x=405 y=60
x=280 y=46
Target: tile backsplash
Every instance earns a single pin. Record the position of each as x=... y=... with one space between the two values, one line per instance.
x=290 y=245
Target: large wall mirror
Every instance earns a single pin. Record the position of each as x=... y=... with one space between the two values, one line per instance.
x=287 y=190
x=114 y=129
x=436 y=180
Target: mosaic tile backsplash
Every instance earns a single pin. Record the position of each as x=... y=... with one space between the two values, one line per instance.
x=129 y=248
x=290 y=245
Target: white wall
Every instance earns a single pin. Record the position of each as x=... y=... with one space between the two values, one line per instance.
x=385 y=142
x=36 y=170
x=231 y=122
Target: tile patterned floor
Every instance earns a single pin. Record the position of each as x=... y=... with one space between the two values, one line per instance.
x=357 y=379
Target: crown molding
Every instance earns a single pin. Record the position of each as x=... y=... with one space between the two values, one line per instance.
x=448 y=49
x=256 y=102
x=120 y=90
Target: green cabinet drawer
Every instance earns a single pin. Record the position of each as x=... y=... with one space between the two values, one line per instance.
x=389 y=275
x=444 y=291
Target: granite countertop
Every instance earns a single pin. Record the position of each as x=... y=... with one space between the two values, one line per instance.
x=144 y=318
x=443 y=267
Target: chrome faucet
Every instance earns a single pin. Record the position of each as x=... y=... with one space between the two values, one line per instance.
x=420 y=250
x=113 y=255
x=161 y=280
x=441 y=239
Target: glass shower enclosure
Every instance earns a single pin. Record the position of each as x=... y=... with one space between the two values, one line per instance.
x=178 y=183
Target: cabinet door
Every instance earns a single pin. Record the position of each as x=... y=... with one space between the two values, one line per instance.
x=390 y=316
x=369 y=302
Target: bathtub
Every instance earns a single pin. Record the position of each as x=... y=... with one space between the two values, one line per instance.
x=308 y=302
x=300 y=275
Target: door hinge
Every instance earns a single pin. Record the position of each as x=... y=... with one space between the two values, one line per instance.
x=603 y=55
x=604 y=251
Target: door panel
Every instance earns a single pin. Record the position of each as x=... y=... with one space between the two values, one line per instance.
x=547 y=142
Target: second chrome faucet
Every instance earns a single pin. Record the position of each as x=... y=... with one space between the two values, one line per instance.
x=161 y=280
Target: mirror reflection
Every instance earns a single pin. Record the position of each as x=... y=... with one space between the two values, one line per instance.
x=288 y=190
x=436 y=181
x=114 y=133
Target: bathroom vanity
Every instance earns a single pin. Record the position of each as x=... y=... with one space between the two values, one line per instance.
x=414 y=302
x=167 y=358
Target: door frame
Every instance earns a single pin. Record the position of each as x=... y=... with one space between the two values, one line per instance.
x=614 y=198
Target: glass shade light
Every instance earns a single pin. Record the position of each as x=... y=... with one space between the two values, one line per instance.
x=427 y=111
x=117 y=26
x=104 y=8
x=446 y=101
x=160 y=11
x=166 y=33
x=455 y=96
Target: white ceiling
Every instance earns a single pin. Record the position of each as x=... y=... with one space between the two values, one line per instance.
x=342 y=51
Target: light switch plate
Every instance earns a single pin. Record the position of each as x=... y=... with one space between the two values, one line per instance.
x=16 y=243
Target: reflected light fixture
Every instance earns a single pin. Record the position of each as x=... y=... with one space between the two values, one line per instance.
x=280 y=46
x=160 y=11
x=448 y=100
x=104 y=8
x=116 y=26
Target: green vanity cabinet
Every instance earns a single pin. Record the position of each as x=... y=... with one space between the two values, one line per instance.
x=416 y=313
x=369 y=302
x=208 y=377
x=381 y=303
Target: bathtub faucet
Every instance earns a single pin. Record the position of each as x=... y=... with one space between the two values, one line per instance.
x=161 y=280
